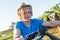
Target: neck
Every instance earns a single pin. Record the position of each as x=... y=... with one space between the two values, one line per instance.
x=27 y=23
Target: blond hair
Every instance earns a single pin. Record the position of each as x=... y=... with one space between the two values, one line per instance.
x=22 y=6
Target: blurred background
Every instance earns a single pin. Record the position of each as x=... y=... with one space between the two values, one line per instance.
x=47 y=10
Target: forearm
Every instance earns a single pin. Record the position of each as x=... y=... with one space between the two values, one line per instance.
x=16 y=33
x=51 y=23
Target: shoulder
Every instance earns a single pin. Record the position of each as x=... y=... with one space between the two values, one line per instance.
x=36 y=19
x=19 y=22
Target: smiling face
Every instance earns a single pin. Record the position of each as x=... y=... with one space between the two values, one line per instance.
x=25 y=13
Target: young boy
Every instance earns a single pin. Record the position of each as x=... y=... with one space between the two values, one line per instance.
x=27 y=25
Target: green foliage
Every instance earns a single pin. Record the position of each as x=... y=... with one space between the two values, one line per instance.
x=7 y=36
x=12 y=25
x=44 y=17
x=47 y=14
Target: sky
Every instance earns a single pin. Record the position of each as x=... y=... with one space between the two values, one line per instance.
x=8 y=10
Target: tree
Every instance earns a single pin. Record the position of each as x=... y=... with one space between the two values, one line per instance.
x=12 y=25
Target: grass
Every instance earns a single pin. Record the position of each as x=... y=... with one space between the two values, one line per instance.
x=9 y=35
x=6 y=37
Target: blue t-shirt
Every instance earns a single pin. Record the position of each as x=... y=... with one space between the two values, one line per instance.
x=35 y=24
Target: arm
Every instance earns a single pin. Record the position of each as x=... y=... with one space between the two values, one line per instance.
x=17 y=32
x=17 y=35
x=51 y=23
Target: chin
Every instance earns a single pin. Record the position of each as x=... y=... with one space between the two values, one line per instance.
x=27 y=19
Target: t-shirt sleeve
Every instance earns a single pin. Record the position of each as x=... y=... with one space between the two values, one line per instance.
x=39 y=22
x=17 y=25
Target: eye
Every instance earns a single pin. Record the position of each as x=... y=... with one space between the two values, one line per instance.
x=29 y=12
x=29 y=8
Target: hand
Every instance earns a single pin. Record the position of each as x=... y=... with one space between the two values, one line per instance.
x=18 y=39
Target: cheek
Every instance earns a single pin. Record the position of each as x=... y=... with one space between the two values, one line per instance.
x=31 y=15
